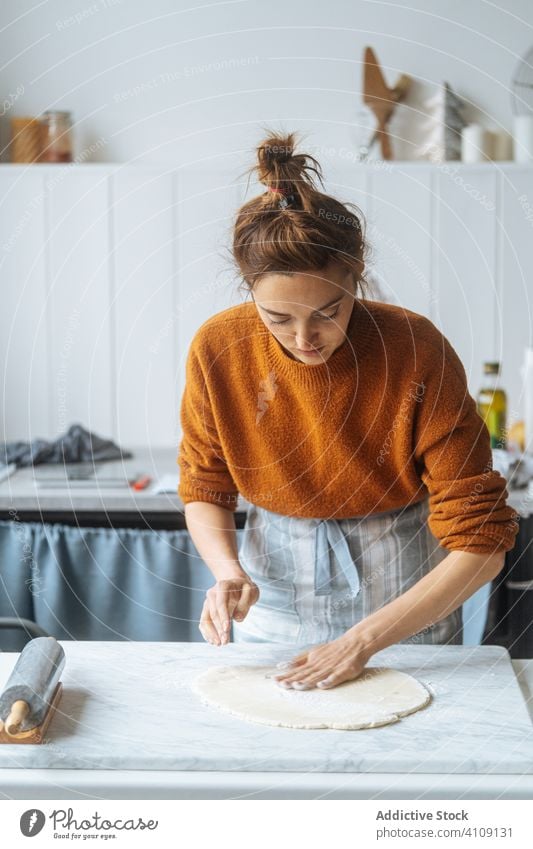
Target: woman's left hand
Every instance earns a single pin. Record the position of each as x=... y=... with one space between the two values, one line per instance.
x=326 y=665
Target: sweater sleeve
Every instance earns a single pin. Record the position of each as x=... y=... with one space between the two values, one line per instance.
x=467 y=498
x=204 y=475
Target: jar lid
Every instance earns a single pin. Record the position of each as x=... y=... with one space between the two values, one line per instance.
x=57 y=113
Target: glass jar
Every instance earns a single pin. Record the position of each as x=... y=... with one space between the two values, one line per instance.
x=26 y=139
x=56 y=137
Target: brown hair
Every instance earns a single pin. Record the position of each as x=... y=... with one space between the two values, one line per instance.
x=310 y=231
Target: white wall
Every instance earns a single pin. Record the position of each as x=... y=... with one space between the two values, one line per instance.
x=106 y=274
x=287 y=61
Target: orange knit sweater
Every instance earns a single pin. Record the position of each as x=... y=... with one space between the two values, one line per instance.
x=384 y=422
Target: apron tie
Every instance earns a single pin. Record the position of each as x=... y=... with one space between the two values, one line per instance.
x=330 y=536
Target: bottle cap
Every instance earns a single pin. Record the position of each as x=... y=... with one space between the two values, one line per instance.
x=491 y=368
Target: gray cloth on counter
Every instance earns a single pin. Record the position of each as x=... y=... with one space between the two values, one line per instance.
x=101 y=583
x=75 y=446
x=515 y=466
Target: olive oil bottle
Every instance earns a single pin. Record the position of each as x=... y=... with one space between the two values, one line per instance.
x=492 y=405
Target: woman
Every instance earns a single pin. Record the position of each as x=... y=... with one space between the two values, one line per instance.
x=347 y=425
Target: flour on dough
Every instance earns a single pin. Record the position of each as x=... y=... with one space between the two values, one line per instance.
x=378 y=697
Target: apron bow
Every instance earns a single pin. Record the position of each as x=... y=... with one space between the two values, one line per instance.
x=329 y=537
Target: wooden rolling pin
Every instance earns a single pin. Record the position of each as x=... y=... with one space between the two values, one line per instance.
x=31 y=685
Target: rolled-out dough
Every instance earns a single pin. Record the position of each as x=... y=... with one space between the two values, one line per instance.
x=378 y=697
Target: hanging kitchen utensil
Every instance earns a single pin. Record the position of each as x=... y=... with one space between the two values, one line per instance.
x=381 y=99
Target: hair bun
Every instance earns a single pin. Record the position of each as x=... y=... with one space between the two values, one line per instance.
x=279 y=167
x=305 y=229
x=278 y=149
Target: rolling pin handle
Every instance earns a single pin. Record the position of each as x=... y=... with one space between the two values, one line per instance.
x=19 y=712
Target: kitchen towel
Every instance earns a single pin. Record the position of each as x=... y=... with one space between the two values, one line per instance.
x=76 y=445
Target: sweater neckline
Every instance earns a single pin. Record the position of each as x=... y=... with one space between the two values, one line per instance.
x=358 y=341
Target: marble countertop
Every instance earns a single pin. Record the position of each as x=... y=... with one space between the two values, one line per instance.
x=129 y=706
x=20 y=492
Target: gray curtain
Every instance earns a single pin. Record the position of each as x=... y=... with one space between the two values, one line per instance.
x=101 y=583
x=118 y=584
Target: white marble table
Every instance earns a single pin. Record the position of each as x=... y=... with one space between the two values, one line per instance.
x=130 y=727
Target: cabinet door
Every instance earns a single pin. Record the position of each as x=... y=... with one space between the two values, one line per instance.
x=207 y=281
x=80 y=305
x=402 y=212
x=143 y=308
x=26 y=403
x=466 y=286
x=514 y=326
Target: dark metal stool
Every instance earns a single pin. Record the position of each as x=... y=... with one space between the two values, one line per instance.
x=30 y=628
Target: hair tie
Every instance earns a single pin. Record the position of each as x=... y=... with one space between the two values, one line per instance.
x=287 y=196
x=279 y=191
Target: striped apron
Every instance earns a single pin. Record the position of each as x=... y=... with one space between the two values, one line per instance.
x=317 y=578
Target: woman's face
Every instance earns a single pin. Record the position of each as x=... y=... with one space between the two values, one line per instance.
x=307 y=312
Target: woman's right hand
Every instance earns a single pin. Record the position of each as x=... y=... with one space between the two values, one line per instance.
x=226 y=600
